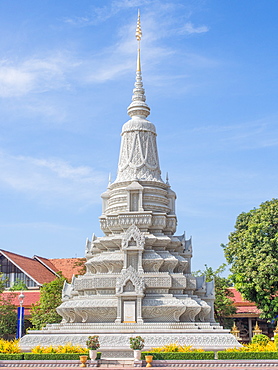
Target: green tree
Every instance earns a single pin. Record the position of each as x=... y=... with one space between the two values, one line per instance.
x=223 y=304
x=8 y=315
x=252 y=251
x=44 y=312
x=19 y=285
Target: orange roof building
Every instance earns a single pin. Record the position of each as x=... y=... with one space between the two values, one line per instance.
x=247 y=316
x=35 y=271
x=244 y=308
x=32 y=272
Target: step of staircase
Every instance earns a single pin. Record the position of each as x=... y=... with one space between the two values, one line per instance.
x=116 y=362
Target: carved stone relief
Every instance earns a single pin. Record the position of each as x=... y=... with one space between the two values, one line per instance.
x=192 y=309
x=133 y=233
x=130 y=275
x=169 y=261
x=138 y=155
x=158 y=282
x=162 y=310
x=203 y=315
x=151 y=261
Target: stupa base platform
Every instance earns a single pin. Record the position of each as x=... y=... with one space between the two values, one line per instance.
x=114 y=338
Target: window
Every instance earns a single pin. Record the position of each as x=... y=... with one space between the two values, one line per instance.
x=134 y=201
x=12 y=273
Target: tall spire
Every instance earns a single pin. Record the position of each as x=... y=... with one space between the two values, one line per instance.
x=138 y=107
x=138 y=154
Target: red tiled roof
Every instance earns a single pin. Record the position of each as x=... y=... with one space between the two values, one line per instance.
x=30 y=267
x=47 y=262
x=30 y=297
x=242 y=305
x=248 y=309
x=67 y=266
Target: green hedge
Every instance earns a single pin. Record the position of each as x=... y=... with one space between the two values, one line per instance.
x=56 y=356
x=223 y=355
x=179 y=355
x=11 y=356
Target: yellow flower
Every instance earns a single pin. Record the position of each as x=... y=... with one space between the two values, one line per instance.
x=174 y=347
x=67 y=348
x=7 y=346
x=255 y=347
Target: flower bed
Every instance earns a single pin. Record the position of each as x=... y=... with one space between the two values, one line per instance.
x=9 y=346
x=174 y=347
x=67 y=348
x=56 y=356
x=224 y=355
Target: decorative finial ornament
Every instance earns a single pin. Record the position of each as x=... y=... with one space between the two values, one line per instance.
x=235 y=331
x=138 y=107
x=257 y=329
x=109 y=179
x=167 y=178
x=138 y=28
x=138 y=35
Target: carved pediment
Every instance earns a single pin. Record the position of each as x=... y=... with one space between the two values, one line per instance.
x=133 y=239
x=130 y=279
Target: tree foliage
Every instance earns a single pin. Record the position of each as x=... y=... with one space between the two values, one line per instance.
x=223 y=304
x=81 y=264
x=19 y=285
x=252 y=251
x=44 y=312
x=2 y=283
x=8 y=315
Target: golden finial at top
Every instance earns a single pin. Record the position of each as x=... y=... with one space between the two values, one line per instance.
x=138 y=33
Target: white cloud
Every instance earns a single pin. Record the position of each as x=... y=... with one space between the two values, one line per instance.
x=246 y=135
x=50 y=179
x=14 y=81
x=260 y=133
x=34 y=74
x=51 y=111
x=189 y=29
x=167 y=17
x=103 y=13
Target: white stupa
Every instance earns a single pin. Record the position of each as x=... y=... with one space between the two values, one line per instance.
x=138 y=277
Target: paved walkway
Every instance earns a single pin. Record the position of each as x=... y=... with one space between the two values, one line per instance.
x=196 y=367
x=128 y=365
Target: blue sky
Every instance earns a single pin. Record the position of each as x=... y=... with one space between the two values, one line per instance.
x=67 y=70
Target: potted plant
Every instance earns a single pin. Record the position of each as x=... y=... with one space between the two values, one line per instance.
x=137 y=344
x=92 y=344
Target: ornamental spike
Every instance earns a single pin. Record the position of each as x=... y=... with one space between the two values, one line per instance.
x=138 y=28
x=138 y=107
x=138 y=36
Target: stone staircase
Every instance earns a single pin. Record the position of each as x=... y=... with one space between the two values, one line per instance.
x=118 y=363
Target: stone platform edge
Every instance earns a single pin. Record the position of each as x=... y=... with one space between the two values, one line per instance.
x=128 y=364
